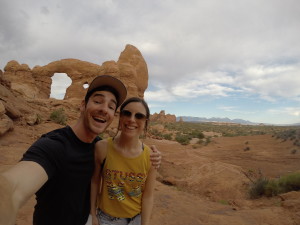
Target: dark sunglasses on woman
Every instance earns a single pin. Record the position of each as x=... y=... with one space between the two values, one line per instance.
x=138 y=116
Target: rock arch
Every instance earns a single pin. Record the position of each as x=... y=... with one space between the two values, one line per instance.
x=131 y=68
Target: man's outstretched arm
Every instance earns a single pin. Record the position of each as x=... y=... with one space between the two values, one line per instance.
x=17 y=185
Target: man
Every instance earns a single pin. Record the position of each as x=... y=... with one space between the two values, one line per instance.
x=58 y=167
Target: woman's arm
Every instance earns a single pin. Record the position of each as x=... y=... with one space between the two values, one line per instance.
x=100 y=154
x=147 y=199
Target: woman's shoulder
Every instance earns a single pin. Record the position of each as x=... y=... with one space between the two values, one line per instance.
x=101 y=148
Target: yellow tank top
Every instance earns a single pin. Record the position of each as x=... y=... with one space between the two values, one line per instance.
x=123 y=182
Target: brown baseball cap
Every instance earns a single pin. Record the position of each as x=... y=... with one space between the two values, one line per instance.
x=104 y=81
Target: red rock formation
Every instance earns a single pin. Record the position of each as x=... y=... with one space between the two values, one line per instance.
x=162 y=117
x=133 y=71
x=24 y=93
x=131 y=68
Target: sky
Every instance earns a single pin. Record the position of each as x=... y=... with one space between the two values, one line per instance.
x=238 y=59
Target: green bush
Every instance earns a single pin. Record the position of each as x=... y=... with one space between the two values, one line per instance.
x=271 y=188
x=167 y=136
x=294 y=151
x=200 y=135
x=290 y=182
x=194 y=133
x=182 y=139
x=155 y=132
x=257 y=188
x=59 y=116
x=207 y=141
x=263 y=186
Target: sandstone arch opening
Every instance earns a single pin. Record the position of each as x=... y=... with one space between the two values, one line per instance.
x=85 y=85
x=60 y=83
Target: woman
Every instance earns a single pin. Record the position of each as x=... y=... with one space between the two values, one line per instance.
x=122 y=166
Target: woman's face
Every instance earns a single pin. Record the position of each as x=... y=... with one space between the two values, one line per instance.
x=133 y=119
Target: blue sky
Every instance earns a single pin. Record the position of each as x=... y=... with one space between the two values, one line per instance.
x=217 y=58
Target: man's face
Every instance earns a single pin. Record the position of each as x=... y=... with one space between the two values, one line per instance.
x=99 y=111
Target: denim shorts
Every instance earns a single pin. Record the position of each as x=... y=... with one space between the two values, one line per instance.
x=106 y=219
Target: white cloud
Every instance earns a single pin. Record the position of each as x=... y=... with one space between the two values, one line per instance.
x=235 y=109
x=271 y=82
x=160 y=95
x=203 y=48
x=293 y=111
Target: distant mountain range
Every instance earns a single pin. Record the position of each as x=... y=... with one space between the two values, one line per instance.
x=225 y=120
x=214 y=119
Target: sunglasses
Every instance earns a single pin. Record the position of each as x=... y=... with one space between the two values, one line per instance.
x=138 y=116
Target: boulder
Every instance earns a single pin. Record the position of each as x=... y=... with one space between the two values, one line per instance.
x=6 y=124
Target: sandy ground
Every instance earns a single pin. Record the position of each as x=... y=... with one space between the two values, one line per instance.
x=199 y=184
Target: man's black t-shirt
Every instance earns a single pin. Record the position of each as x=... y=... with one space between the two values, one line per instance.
x=69 y=163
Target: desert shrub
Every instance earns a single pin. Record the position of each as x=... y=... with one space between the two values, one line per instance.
x=226 y=134
x=297 y=142
x=290 y=182
x=292 y=134
x=194 y=133
x=171 y=126
x=59 y=116
x=200 y=135
x=257 y=188
x=207 y=141
x=263 y=186
x=155 y=132
x=167 y=136
x=182 y=139
x=224 y=202
x=294 y=151
x=247 y=148
x=271 y=188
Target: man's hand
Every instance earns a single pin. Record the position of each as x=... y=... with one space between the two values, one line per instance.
x=155 y=157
